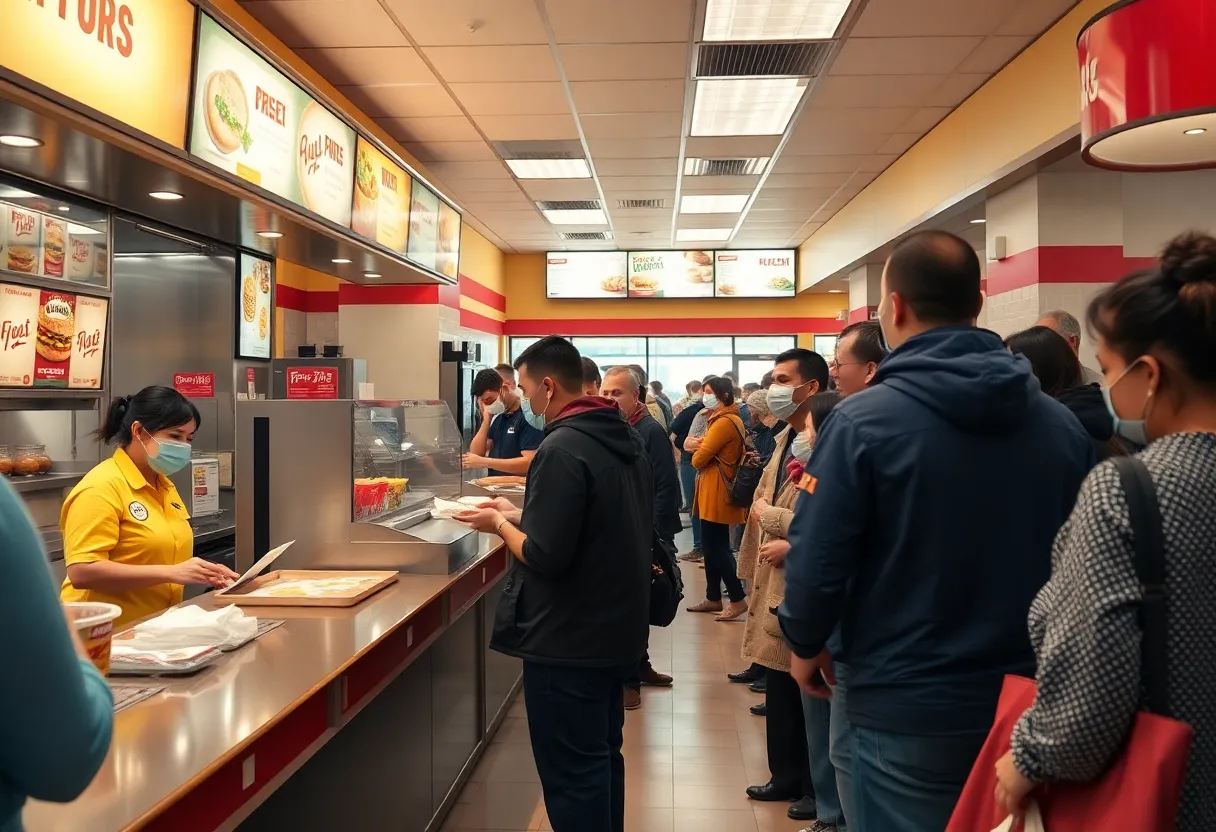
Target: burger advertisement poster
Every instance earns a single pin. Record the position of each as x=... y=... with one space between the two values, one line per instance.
x=51 y=339
x=755 y=274
x=251 y=121
x=671 y=274
x=585 y=274
x=382 y=198
x=255 y=305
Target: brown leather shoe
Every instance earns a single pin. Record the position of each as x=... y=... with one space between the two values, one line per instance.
x=706 y=606
x=633 y=699
x=654 y=678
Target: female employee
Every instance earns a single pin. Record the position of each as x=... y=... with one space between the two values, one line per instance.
x=126 y=533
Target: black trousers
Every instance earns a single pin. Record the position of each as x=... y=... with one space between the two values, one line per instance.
x=575 y=720
x=719 y=563
x=788 y=760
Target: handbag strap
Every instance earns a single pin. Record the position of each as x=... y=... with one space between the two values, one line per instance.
x=742 y=451
x=1148 y=539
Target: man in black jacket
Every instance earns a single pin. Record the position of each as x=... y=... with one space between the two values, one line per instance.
x=622 y=385
x=576 y=604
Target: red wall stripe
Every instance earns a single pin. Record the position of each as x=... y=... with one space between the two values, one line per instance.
x=1062 y=264
x=482 y=294
x=672 y=326
x=480 y=323
x=352 y=294
x=449 y=295
x=861 y=313
x=300 y=300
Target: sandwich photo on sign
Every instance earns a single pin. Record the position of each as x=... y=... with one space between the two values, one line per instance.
x=56 y=330
x=227 y=112
x=23 y=236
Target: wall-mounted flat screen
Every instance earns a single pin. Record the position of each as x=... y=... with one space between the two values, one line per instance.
x=255 y=306
x=671 y=274
x=767 y=273
x=423 y=244
x=585 y=274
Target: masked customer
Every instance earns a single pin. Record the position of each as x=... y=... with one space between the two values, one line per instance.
x=621 y=385
x=716 y=459
x=1156 y=344
x=575 y=606
x=504 y=443
x=126 y=532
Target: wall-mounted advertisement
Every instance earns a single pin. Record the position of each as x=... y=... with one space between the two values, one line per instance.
x=51 y=339
x=381 y=210
x=255 y=305
x=755 y=274
x=447 y=260
x=423 y=244
x=671 y=274
x=250 y=120
x=585 y=274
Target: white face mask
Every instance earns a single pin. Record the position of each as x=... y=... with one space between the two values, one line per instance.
x=710 y=401
x=496 y=409
x=781 y=400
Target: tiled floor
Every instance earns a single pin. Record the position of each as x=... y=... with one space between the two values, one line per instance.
x=689 y=751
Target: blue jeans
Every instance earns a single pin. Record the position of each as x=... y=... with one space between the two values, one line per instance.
x=841 y=743
x=575 y=721
x=688 y=478
x=909 y=782
x=817 y=714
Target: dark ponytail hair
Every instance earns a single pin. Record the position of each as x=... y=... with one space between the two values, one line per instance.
x=821 y=406
x=1051 y=358
x=156 y=408
x=1171 y=306
x=722 y=388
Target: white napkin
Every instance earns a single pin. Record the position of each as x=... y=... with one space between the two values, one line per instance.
x=192 y=626
x=446 y=509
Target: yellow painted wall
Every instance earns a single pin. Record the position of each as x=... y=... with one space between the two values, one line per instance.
x=481 y=260
x=1023 y=107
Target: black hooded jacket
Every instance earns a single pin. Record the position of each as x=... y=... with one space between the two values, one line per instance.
x=581 y=596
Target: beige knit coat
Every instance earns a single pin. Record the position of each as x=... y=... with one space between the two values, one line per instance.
x=762 y=640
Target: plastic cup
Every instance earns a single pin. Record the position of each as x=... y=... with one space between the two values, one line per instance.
x=94 y=622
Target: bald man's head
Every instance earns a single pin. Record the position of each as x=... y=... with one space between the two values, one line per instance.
x=937 y=276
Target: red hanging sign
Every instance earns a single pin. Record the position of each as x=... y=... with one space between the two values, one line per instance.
x=195 y=385
x=312 y=383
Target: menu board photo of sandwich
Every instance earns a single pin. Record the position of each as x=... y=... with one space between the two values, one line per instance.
x=586 y=274
x=671 y=274
x=255 y=307
x=447 y=259
x=381 y=198
x=252 y=121
x=22 y=240
x=51 y=339
x=423 y=244
x=755 y=274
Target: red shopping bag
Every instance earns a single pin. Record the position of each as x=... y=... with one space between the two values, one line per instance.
x=1140 y=791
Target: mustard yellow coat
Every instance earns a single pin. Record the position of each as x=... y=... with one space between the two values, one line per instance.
x=715 y=461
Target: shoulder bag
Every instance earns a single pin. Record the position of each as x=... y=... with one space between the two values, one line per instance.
x=666 y=582
x=741 y=488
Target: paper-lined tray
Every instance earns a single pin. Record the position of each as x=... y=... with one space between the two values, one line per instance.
x=306 y=588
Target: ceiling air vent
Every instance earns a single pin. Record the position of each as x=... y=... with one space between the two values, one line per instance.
x=586 y=235
x=570 y=205
x=540 y=150
x=802 y=59
x=626 y=204
x=725 y=167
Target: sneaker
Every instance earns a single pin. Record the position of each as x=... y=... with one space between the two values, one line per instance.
x=654 y=678
x=819 y=826
x=694 y=555
x=633 y=699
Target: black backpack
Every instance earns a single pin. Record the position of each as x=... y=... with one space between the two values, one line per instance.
x=666 y=583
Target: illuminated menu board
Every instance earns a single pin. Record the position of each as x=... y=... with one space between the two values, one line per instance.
x=381 y=209
x=255 y=304
x=765 y=273
x=585 y=274
x=51 y=339
x=423 y=244
x=671 y=274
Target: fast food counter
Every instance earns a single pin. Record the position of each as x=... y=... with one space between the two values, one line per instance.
x=369 y=717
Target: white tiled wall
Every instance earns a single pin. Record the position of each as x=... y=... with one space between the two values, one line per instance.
x=1012 y=311
x=323 y=328
x=1075 y=298
x=399 y=345
x=295 y=331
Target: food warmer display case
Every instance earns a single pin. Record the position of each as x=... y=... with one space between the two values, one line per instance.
x=352 y=482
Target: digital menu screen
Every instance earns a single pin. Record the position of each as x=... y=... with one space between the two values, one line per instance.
x=586 y=274
x=51 y=339
x=423 y=244
x=447 y=260
x=251 y=121
x=671 y=274
x=381 y=208
x=255 y=305
x=755 y=274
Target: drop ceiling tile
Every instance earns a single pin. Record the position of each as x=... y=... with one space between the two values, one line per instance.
x=844 y=91
x=328 y=23
x=1031 y=18
x=451 y=151
x=900 y=143
x=790 y=200
x=624 y=219
x=902 y=56
x=469 y=170
x=517 y=128
x=790 y=163
x=560 y=188
x=730 y=147
x=639 y=183
x=441 y=129
x=635 y=167
x=499 y=199
x=901 y=19
x=500 y=22
x=402 y=100
x=474 y=64
x=530 y=98
x=353 y=66
x=668 y=148
x=955 y=89
x=668 y=194
x=720 y=184
x=816 y=142
x=925 y=119
x=727 y=220
x=476 y=186
x=993 y=53
x=621 y=21
x=806 y=180
x=625 y=62
x=628 y=96
x=632 y=125
x=855 y=120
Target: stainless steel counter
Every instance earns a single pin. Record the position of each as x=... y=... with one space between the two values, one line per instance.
x=207 y=751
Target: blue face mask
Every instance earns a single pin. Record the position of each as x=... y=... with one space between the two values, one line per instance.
x=536 y=420
x=1132 y=430
x=171 y=456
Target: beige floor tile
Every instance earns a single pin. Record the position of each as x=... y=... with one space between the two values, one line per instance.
x=502 y=806
x=691 y=796
x=714 y=820
x=772 y=817
x=704 y=774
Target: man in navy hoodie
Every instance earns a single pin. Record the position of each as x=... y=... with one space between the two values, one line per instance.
x=924 y=531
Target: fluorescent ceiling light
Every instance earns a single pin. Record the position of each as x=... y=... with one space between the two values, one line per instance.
x=1195 y=131
x=978 y=222
x=370 y=274
x=20 y=141
x=835 y=291
x=78 y=230
x=773 y=19
x=64 y=208
x=270 y=235
x=167 y=196
x=712 y=203
x=588 y=216
x=696 y=235
x=340 y=261
x=549 y=168
x=745 y=106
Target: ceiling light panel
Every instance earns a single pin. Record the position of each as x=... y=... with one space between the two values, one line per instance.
x=745 y=106
x=697 y=235
x=713 y=203
x=773 y=19
x=550 y=168
x=577 y=217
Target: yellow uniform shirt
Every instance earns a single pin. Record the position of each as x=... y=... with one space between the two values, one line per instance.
x=115 y=514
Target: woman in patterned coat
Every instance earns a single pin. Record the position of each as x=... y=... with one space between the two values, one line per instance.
x=1156 y=342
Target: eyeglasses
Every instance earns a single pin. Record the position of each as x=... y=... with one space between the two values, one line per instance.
x=838 y=364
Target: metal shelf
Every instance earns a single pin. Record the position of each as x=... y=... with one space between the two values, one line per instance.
x=47 y=482
x=27 y=399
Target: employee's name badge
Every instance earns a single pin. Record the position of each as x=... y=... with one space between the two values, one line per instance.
x=138 y=510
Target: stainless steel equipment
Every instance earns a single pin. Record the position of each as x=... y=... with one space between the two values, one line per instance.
x=458 y=365
x=329 y=475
